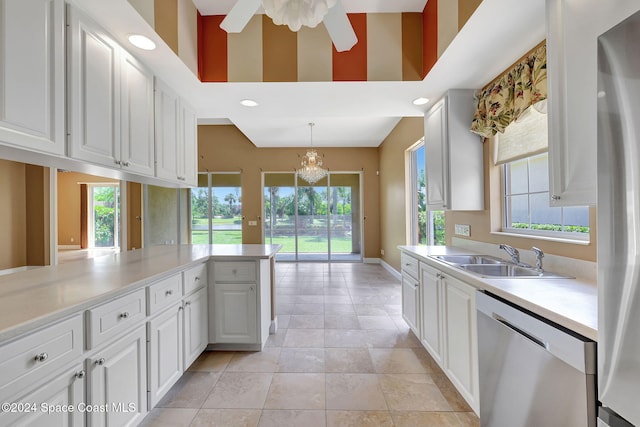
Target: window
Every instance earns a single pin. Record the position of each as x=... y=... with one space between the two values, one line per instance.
x=216 y=209
x=426 y=227
x=526 y=183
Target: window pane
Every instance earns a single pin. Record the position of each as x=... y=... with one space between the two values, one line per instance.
x=226 y=208
x=544 y=217
x=576 y=219
x=539 y=173
x=421 y=196
x=518 y=209
x=517 y=177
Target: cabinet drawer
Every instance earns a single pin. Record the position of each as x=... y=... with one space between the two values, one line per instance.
x=409 y=265
x=235 y=271
x=32 y=357
x=195 y=278
x=115 y=317
x=165 y=292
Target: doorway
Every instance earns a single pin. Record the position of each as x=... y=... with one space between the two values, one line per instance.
x=313 y=222
x=103 y=216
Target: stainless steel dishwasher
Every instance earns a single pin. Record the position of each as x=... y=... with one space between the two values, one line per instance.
x=533 y=372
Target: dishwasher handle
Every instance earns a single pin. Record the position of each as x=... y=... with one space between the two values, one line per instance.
x=520 y=331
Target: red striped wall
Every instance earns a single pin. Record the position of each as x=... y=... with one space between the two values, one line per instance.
x=429 y=36
x=212 y=49
x=352 y=65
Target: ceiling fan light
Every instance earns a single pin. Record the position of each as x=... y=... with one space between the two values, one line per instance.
x=296 y=13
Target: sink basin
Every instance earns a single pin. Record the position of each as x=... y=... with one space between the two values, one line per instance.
x=508 y=271
x=470 y=259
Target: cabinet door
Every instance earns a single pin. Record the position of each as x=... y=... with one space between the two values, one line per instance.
x=436 y=156
x=32 y=74
x=137 y=135
x=118 y=381
x=235 y=313
x=189 y=163
x=66 y=389
x=461 y=355
x=94 y=92
x=166 y=131
x=195 y=326
x=165 y=352
x=410 y=302
x=430 y=298
x=572 y=31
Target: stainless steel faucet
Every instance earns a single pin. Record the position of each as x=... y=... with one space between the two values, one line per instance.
x=539 y=256
x=515 y=255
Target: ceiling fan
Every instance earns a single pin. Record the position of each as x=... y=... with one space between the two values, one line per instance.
x=330 y=12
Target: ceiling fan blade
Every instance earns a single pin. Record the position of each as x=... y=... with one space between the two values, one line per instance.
x=239 y=15
x=339 y=28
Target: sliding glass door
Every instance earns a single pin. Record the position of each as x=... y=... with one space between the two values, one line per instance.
x=313 y=222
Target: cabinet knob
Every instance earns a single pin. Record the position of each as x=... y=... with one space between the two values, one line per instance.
x=126 y=164
x=554 y=197
x=169 y=292
x=100 y=361
x=180 y=308
x=252 y=289
x=234 y=272
x=124 y=315
x=80 y=374
x=117 y=162
x=187 y=303
x=41 y=357
x=196 y=279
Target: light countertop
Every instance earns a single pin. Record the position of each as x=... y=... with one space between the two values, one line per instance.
x=36 y=297
x=572 y=303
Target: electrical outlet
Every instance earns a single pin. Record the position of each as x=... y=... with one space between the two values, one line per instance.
x=381 y=251
x=253 y=223
x=462 y=230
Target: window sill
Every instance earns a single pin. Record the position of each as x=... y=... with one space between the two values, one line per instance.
x=545 y=238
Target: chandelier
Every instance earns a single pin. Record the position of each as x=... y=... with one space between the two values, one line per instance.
x=312 y=170
x=296 y=13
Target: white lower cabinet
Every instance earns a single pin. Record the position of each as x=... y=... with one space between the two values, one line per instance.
x=430 y=301
x=117 y=382
x=461 y=339
x=235 y=313
x=165 y=352
x=195 y=326
x=56 y=403
x=446 y=315
x=410 y=301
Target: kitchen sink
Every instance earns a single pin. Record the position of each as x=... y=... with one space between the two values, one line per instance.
x=508 y=270
x=494 y=267
x=470 y=259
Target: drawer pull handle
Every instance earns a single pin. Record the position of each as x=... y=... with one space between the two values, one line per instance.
x=100 y=361
x=234 y=272
x=80 y=374
x=196 y=279
x=124 y=315
x=41 y=357
x=187 y=303
x=169 y=292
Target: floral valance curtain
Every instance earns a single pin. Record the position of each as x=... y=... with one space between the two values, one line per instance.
x=511 y=94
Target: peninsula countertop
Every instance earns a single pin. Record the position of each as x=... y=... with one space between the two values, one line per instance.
x=36 y=297
x=571 y=303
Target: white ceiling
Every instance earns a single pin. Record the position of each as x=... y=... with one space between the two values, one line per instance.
x=357 y=114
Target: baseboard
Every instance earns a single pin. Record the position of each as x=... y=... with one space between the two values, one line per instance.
x=391 y=270
x=66 y=247
x=371 y=260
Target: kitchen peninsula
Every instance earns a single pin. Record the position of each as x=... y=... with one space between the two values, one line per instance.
x=126 y=326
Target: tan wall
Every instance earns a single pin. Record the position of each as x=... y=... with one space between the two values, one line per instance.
x=393 y=222
x=483 y=222
x=135 y=215
x=226 y=149
x=13 y=245
x=37 y=214
x=69 y=205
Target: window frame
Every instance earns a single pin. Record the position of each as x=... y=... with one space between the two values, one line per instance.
x=528 y=232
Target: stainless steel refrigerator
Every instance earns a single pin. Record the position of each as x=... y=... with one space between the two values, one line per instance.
x=619 y=224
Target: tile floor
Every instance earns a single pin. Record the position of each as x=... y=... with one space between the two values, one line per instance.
x=342 y=356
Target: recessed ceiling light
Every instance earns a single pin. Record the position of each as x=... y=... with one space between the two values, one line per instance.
x=420 y=101
x=249 y=103
x=142 y=42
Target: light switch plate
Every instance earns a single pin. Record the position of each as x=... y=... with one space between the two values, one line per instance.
x=463 y=230
x=253 y=223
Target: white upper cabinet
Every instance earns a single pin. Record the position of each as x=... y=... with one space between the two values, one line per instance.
x=573 y=28
x=110 y=101
x=453 y=155
x=176 y=137
x=32 y=74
